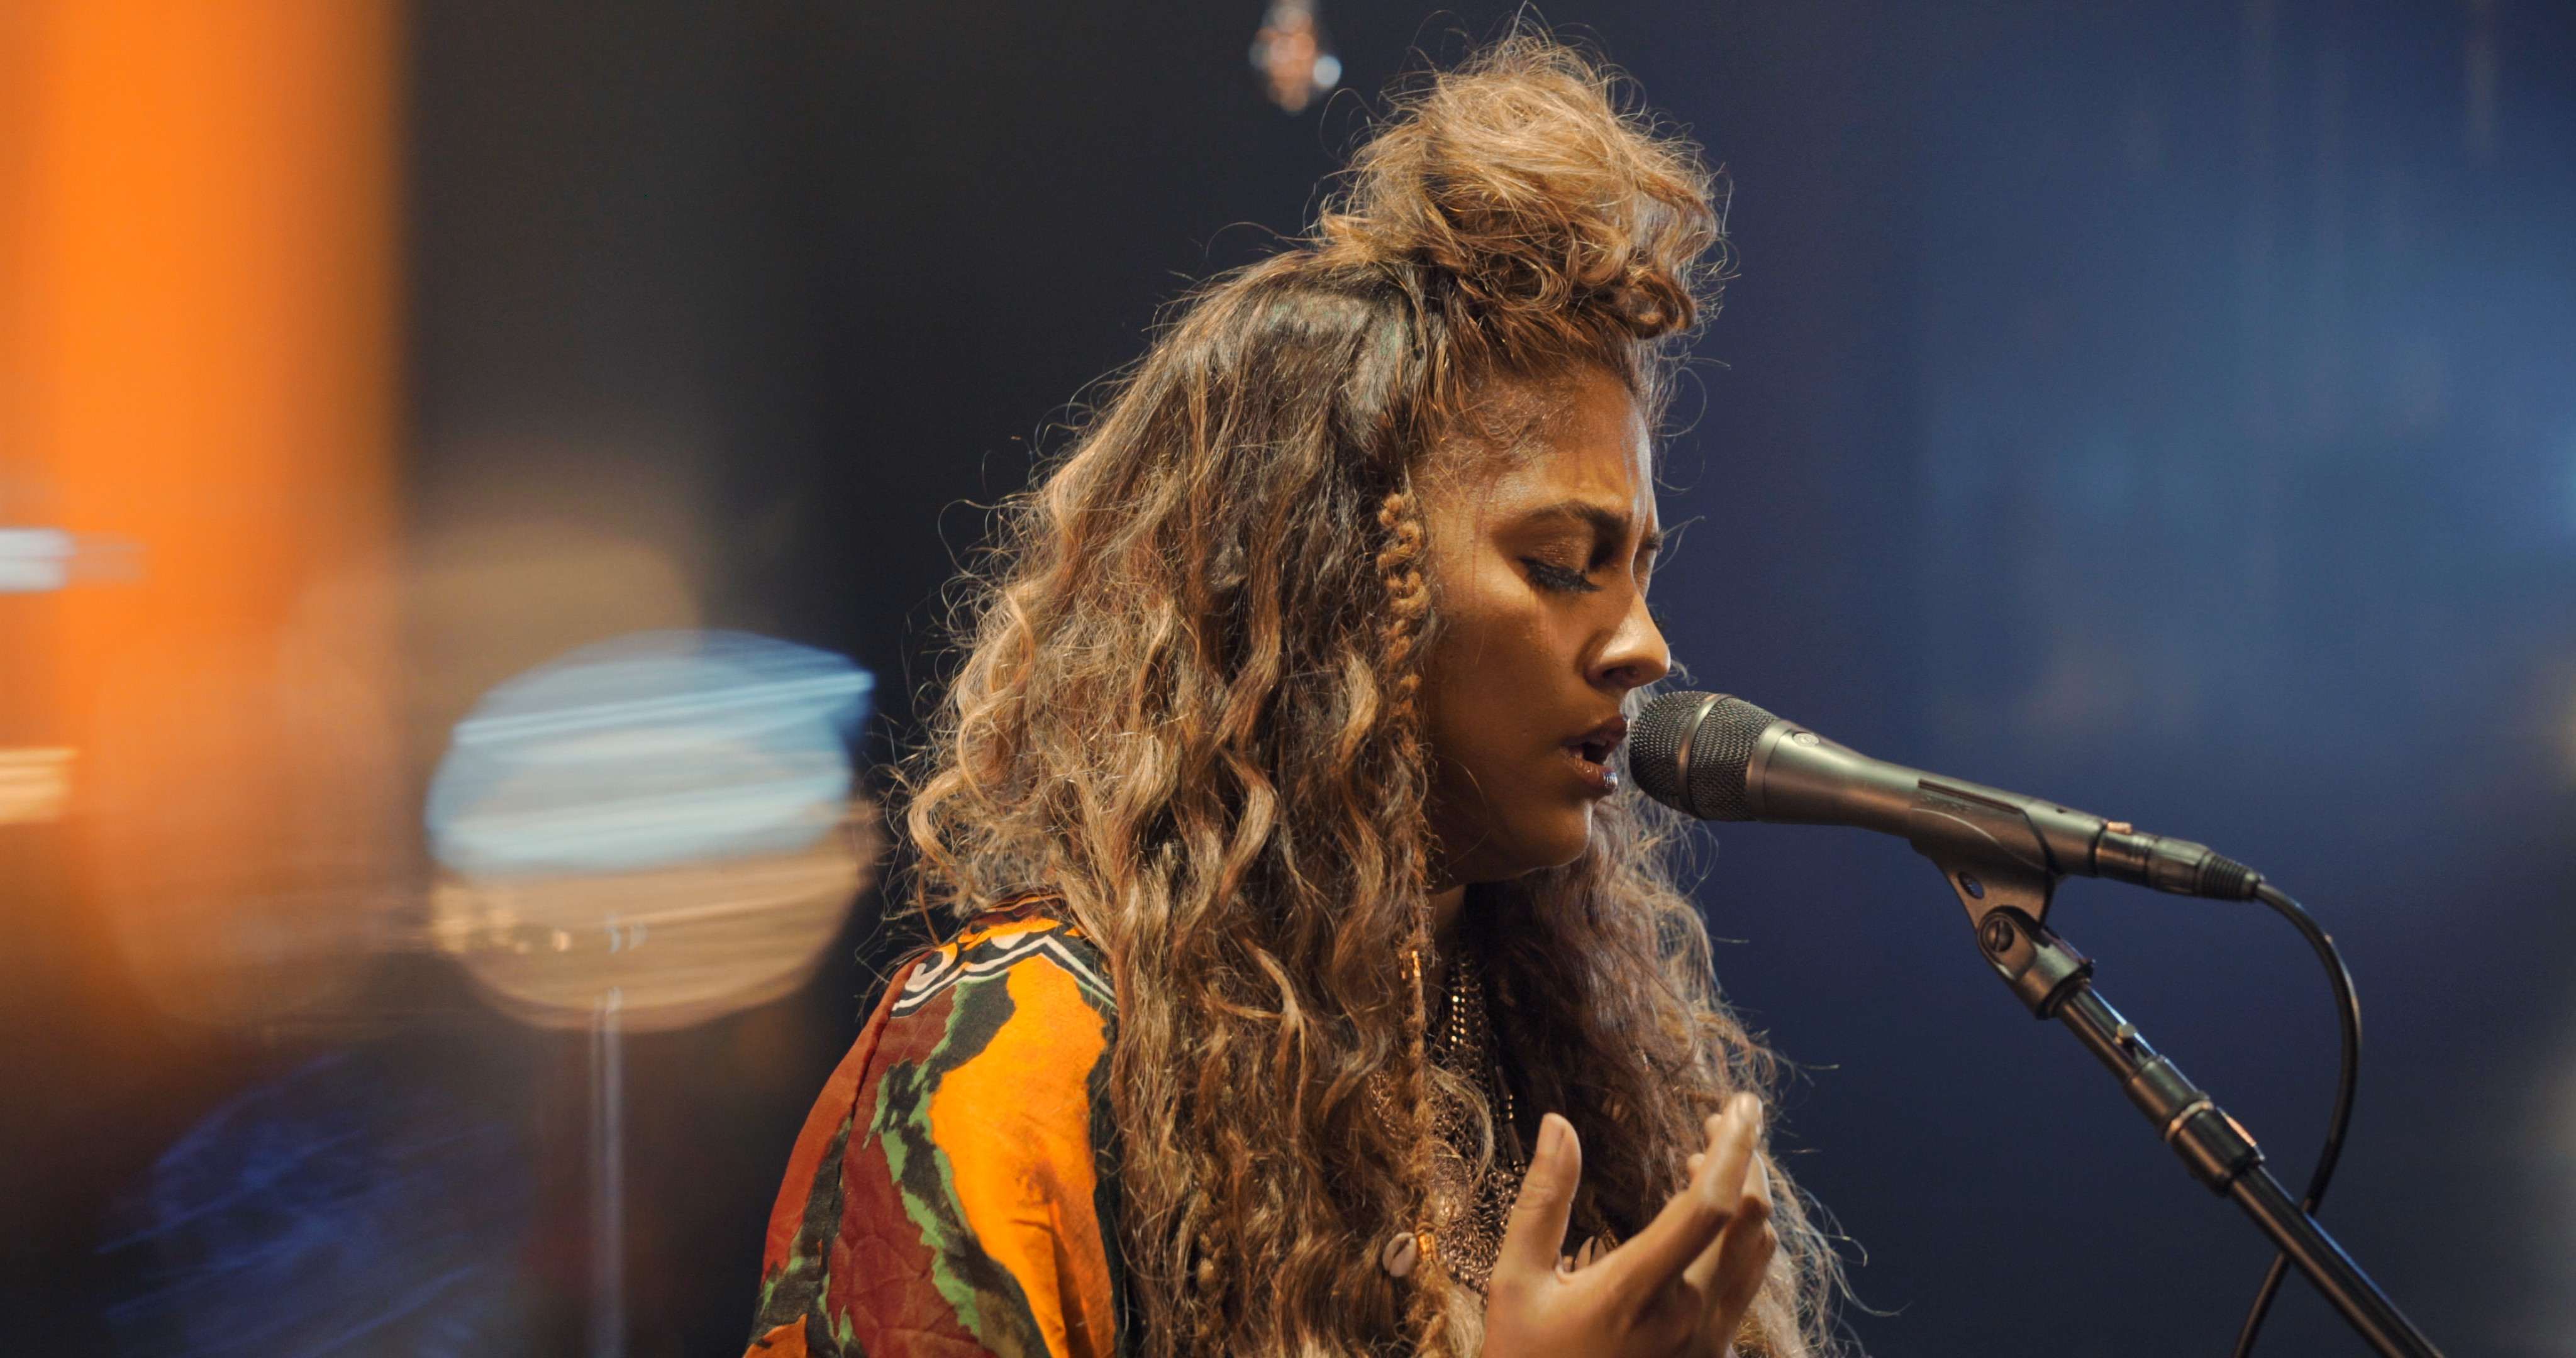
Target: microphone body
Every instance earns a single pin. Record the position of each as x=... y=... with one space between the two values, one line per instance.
x=1718 y=757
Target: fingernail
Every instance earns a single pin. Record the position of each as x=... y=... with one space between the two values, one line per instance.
x=1551 y=1136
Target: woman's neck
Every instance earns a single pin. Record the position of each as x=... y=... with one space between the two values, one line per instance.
x=1445 y=904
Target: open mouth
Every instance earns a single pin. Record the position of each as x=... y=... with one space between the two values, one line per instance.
x=1592 y=751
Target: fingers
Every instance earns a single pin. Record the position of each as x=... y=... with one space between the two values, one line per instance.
x=1537 y=1224
x=1748 y=1204
x=1748 y=1244
x=1689 y=1224
x=1730 y=1270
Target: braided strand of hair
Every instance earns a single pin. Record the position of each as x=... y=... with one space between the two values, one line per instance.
x=1399 y=566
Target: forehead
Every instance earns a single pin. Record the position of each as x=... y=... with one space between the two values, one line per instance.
x=1583 y=438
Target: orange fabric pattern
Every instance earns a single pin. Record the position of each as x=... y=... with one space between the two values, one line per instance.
x=950 y=1195
x=1017 y=1135
x=786 y=1341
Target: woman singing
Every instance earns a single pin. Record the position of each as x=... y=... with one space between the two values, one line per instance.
x=1318 y=987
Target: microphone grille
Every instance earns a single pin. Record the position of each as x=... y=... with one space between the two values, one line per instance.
x=1718 y=731
x=1655 y=744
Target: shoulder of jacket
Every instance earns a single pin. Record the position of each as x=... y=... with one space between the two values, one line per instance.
x=1022 y=931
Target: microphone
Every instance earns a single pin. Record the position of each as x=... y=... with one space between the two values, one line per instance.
x=1718 y=757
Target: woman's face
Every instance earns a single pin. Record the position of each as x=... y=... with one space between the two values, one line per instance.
x=1542 y=535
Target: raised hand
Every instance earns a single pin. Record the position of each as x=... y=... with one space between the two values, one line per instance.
x=1678 y=1290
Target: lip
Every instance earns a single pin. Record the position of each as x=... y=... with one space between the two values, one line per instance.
x=1591 y=752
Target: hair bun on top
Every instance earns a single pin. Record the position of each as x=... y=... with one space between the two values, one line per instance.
x=1518 y=177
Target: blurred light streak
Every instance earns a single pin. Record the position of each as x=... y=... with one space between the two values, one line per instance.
x=492 y=594
x=341 y=1209
x=608 y=1177
x=650 y=750
x=1291 y=54
x=34 y=559
x=196 y=357
x=666 y=818
x=40 y=560
x=34 y=784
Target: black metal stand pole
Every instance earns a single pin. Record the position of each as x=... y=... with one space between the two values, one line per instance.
x=2056 y=982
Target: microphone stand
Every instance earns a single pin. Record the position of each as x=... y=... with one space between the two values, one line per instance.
x=2007 y=898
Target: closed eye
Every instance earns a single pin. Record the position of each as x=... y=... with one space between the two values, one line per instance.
x=1547 y=575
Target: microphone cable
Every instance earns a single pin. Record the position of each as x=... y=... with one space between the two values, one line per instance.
x=2348 y=1073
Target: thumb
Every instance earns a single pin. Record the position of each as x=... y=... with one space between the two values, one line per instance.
x=1537 y=1224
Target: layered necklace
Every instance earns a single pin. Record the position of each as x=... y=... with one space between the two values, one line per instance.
x=1469 y=1205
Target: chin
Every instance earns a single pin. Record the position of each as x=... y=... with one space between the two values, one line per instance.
x=1555 y=841
x=1516 y=841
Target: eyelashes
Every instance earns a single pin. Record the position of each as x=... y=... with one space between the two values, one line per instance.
x=1556 y=579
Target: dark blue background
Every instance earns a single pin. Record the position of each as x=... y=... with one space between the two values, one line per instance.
x=2168 y=407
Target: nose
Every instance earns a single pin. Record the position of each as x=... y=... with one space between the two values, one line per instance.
x=1636 y=654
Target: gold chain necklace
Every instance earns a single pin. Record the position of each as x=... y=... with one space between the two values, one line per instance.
x=1468 y=1208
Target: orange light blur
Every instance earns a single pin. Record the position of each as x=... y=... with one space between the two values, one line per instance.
x=197 y=355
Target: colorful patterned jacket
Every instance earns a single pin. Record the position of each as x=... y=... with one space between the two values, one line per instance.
x=951 y=1194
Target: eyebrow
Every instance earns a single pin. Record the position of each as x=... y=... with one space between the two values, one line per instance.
x=1608 y=523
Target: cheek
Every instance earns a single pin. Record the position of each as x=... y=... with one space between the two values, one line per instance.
x=1488 y=712
x=1479 y=671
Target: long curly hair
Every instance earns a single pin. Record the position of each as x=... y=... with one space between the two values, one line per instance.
x=1187 y=704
